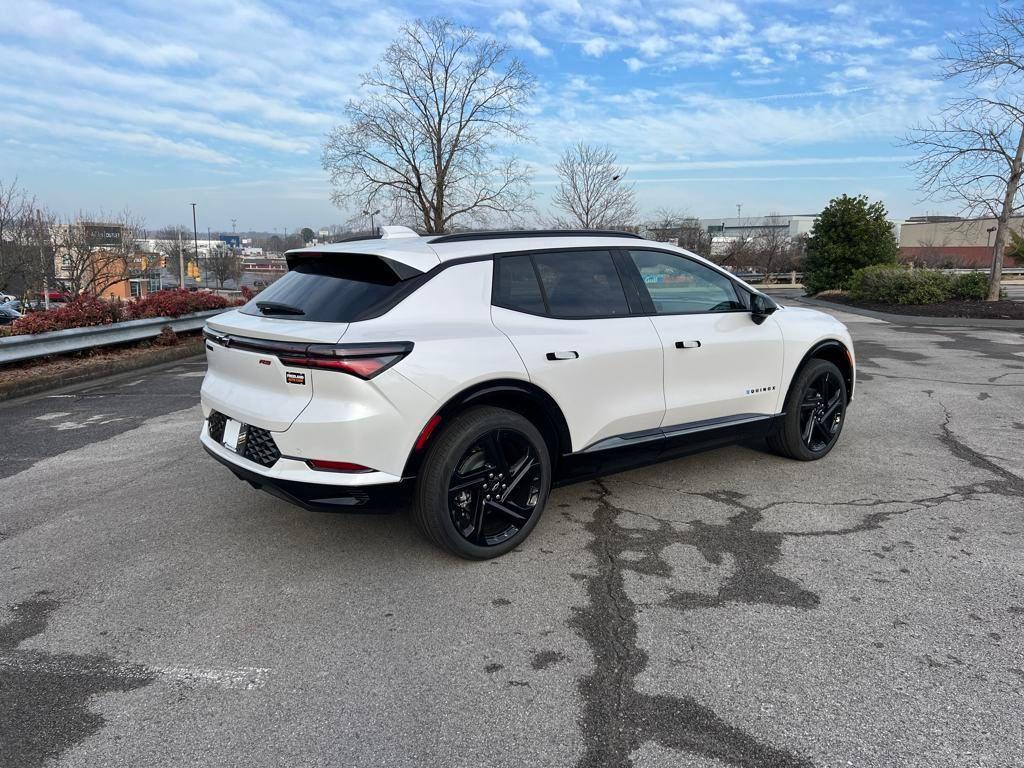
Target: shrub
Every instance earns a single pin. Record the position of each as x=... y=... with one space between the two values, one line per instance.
x=850 y=233
x=80 y=312
x=175 y=303
x=972 y=286
x=899 y=285
x=83 y=311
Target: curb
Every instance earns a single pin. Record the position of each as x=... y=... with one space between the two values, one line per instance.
x=964 y=322
x=20 y=389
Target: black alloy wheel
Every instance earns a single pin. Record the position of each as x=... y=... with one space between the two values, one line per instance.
x=495 y=488
x=815 y=411
x=483 y=483
x=821 y=412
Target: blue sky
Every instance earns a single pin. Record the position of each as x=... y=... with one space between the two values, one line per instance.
x=779 y=106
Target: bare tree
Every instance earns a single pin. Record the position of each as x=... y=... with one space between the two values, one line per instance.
x=223 y=264
x=167 y=243
x=590 y=191
x=16 y=213
x=973 y=152
x=423 y=139
x=770 y=244
x=679 y=227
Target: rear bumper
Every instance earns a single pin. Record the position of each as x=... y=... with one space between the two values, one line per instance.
x=319 y=497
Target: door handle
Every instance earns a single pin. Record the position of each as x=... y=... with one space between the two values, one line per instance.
x=569 y=355
x=687 y=344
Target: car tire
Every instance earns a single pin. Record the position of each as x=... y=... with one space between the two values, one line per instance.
x=815 y=411
x=463 y=500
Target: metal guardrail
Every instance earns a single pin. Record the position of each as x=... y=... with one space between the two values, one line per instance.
x=16 y=348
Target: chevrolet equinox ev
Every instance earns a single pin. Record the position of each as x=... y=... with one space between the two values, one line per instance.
x=474 y=371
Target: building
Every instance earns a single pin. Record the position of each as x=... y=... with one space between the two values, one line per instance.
x=754 y=226
x=951 y=241
x=102 y=258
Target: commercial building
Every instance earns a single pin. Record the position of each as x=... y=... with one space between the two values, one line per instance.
x=951 y=241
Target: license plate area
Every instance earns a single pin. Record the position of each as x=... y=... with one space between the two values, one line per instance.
x=234 y=432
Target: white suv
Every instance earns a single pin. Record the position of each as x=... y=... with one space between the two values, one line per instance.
x=476 y=370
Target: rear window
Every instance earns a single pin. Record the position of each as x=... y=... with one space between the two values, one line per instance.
x=581 y=284
x=332 y=289
x=517 y=285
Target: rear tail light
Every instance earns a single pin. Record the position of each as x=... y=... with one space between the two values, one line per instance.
x=336 y=466
x=362 y=360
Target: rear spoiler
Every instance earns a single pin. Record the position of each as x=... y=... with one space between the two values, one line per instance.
x=306 y=255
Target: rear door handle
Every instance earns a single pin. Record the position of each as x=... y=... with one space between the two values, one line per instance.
x=569 y=355
x=687 y=344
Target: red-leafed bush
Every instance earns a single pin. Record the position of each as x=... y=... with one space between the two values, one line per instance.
x=85 y=311
x=175 y=303
x=81 y=312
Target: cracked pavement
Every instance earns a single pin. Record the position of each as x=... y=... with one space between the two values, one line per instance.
x=726 y=609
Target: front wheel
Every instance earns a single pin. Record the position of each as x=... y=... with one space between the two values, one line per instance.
x=815 y=411
x=483 y=484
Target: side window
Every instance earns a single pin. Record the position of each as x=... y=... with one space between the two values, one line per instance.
x=581 y=284
x=679 y=285
x=517 y=286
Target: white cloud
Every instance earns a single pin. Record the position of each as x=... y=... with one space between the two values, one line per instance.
x=707 y=15
x=597 y=46
x=635 y=64
x=923 y=52
x=529 y=42
x=513 y=19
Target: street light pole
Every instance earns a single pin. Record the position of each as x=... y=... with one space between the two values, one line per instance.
x=371 y=214
x=195 y=234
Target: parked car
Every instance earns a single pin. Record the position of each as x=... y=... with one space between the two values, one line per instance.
x=6 y=298
x=8 y=314
x=471 y=372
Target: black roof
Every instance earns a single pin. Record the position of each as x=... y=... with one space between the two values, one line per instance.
x=462 y=237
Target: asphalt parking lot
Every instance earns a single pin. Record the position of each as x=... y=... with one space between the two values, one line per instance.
x=728 y=609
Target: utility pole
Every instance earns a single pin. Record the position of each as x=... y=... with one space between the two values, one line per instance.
x=233 y=222
x=181 y=264
x=42 y=260
x=209 y=248
x=195 y=234
x=739 y=212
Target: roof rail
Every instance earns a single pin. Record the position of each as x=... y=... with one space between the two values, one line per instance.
x=357 y=238
x=462 y=237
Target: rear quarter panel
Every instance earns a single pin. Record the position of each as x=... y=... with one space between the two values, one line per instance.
x=456 y=345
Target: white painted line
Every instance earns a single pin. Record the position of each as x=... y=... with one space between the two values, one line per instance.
x=191 y=374
x=239 y=678
x=54 y=415
x=133 y=383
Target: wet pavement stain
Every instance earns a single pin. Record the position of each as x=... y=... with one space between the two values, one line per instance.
x=545 y=659
x=617 y=719
x=44 y=697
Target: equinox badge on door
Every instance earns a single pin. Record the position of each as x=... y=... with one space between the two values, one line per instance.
x=295 y=378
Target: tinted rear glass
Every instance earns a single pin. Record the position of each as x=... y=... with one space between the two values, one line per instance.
x=581 y=284
x=517 y=285
x=332 y=289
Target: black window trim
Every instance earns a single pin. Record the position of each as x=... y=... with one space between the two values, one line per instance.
x=542 y=251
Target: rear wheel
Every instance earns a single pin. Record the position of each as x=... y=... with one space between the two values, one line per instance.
x=483 y=484
x=815 y=411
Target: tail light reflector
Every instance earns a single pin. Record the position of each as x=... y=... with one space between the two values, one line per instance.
x=336 y=466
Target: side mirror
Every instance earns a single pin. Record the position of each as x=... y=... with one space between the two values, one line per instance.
x=760 y=307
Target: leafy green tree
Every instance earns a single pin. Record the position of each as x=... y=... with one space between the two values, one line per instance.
x=849 y=234
x=307 y=235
